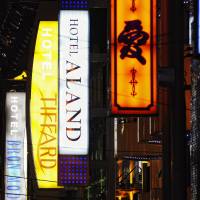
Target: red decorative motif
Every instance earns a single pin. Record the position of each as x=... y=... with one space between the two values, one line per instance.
x=133 y=8
x=133 y=81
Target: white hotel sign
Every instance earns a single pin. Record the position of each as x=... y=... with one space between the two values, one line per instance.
x=16 y=147
x=73 y=82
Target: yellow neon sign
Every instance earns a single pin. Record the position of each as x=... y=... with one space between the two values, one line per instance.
x=22 y=76
x=44 y=105
x=133 y=57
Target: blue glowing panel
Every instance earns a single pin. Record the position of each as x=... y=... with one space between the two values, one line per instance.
x=73 y=170
x=73 y=4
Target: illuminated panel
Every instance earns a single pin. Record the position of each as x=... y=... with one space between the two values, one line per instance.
x=133 y=57
x=73 y=82
x=74 y=4
x=73 y=170
x=44 y=105
x=16 y=147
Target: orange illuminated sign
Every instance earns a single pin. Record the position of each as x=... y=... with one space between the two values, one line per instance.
x=133 y=57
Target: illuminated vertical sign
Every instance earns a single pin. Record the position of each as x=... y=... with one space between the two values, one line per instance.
x=44 y=105
x=16 y=147
x=133 y=57
x=73 y=82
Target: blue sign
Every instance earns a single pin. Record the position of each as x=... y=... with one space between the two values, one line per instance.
x=73 y=4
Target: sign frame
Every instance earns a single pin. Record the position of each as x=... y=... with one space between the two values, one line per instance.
x=16 y=146
x=74 y=82
x=117 y=108
x=44 y=116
